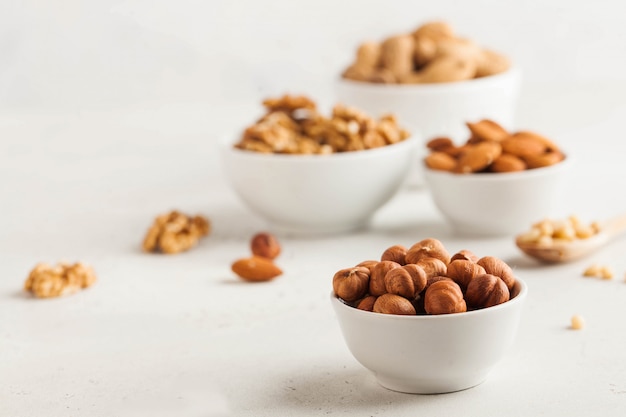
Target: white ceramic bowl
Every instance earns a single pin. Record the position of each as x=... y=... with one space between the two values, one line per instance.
x=439 y=109
x=431 y=354
x=496 y=204
x=318 y=194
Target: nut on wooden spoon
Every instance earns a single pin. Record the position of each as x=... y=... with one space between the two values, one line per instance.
x=564 y=251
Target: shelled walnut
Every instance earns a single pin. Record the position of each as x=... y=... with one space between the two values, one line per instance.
x=175 y=232
x=293 y=125
x=46 y=281
x=425 y=279
x=491 y=148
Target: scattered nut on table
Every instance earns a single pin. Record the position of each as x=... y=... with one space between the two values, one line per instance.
x=259 y=267
x=425 y=279
x=599 y=271
x=47 y=281
x=175 y=232
x=265 y=245
x=293 y=125
x=432 y=53
x=577 y=322
x=491 y=148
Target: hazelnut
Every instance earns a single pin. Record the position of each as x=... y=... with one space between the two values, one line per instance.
x=393 y=304
x=419 y=276
x=499 y=268
x=485 y=291
x=367 y=303
x=463 y=271
x=431 y=280
x=407 y=281
x=444 y=297
x=265 y=245
x=432 y=267
x=468 y=255
x=395 y=253
x=369 y=264
x=377 y=277
x=427 y=248
x=350 y=284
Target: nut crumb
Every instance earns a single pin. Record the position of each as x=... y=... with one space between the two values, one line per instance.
x=46 y=281
x=599 y=271
x=577 y=322
x=175 y=232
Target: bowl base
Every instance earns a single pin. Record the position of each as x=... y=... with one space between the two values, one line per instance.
x=478 y=230
x=317 y=230
x=429 y=386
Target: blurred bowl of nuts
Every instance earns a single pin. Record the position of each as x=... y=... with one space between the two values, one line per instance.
x=427 y=322
x=497 y=182
x=306 y=173
x=432 y=80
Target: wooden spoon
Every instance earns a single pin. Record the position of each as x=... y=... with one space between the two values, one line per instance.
x=575 y=249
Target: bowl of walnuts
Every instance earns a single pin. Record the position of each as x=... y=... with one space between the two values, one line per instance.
x=425 y=322
x=497 y=181
x=306 y=173
x=432 y=79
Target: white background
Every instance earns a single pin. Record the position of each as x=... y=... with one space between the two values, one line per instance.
x=75 y=54
x=109 y=113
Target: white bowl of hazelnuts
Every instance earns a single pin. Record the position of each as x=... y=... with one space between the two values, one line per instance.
x=425 y=322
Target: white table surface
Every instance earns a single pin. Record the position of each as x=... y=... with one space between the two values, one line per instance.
x=181 y=335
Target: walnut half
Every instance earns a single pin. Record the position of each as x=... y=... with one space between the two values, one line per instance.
x=175 y=232
x=46 y=281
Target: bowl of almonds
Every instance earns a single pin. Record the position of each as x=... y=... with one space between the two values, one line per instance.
x=496 y=182
x=307 y=173
x=427 y=322
x=432 y=79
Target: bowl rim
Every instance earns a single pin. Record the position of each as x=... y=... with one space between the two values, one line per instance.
x=513 y=72
x=500 y=176
x=519 y=298
x=227 y=146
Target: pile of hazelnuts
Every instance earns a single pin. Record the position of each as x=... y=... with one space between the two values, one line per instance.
x=425 y=279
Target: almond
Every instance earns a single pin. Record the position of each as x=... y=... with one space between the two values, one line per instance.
x=478 y=157
x=256 y=268
x=439 y=144
x=544 y=160
x=523 y=146
x=487 y=130
x=508 y=163
x=440 y=161
x=551 y=146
